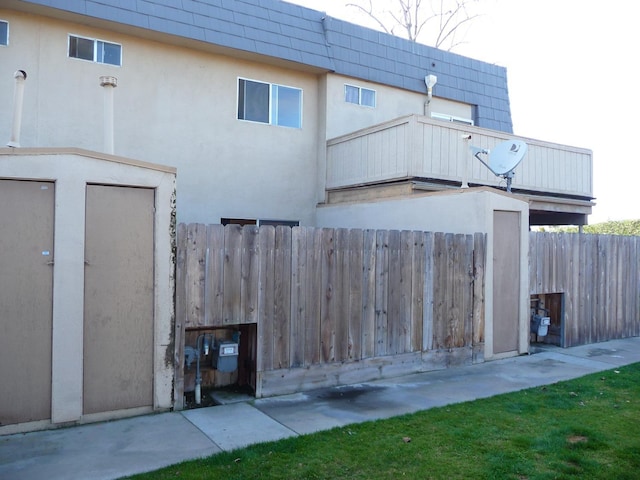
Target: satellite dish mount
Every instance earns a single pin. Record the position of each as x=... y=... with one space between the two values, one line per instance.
x=503 y=159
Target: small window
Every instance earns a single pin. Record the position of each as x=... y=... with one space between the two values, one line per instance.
x=95 y=50
x=275 y=223
x=247 y=221
x=238 y=221
x=269 y=103
x=4 y=32
x=450 y=118
x=359 y=96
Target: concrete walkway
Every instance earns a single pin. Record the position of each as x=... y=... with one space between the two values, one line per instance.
x=124 y=447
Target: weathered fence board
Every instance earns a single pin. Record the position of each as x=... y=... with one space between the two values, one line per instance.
x=266 y=302
x=417 y=291
x=298 y=296
x=314 y=298
x=599 y=276
x=356 y=284
x=368 y=294
x=479 y=261
x=282 y=297
x=215 y=275
x=231 y=308
x=180 y=319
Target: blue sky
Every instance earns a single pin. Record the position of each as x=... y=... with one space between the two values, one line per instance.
x=573 y=73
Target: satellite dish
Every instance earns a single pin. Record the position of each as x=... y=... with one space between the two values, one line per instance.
x=503 y=159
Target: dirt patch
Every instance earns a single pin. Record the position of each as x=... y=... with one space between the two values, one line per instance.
x=577 y=439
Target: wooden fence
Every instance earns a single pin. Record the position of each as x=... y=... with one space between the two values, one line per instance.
x=328 y=298
x=599 y=276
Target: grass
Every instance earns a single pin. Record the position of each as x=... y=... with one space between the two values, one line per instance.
x=584 y=428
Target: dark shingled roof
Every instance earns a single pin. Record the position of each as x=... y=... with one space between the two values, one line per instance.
x=286 y=31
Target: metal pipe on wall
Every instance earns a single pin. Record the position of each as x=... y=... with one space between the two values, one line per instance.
x=108 y=83
x=18 y=95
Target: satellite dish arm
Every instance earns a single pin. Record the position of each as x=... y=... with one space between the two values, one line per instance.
x=476 y=152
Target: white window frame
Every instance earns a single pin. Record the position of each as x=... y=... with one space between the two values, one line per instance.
x=451 y=118
x=96 y=43
x=360 y=90
x=5 y=41
x=273 y=107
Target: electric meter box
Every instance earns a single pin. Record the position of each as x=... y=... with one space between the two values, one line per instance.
x=225 y=356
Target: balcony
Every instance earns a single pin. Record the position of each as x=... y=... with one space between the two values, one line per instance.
x=415 y=153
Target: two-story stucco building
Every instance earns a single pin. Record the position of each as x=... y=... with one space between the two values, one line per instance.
x=242 y=111
x=242 y=97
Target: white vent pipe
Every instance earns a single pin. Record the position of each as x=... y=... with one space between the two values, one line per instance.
x=18 y=95
x=108 y=83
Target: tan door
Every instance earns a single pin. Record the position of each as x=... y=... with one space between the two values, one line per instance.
x=26 y=300
x=506 y=280
x=118 y=305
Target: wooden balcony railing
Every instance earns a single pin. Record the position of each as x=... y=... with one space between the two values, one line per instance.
x=418 y=147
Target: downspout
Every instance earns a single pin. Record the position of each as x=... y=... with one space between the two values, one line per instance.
x=18 y=95
x=108 y=83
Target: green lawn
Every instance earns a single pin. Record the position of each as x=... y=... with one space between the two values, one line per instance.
x=584 y=428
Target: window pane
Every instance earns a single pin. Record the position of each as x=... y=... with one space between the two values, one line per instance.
x=368 y=97
x=287 y=106
x=275 y=223
x=81 y=48
x=253 y=101
x=351 y=94
x=109 y=53
x=4 y=33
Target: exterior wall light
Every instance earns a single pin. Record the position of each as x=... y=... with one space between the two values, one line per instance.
x=430 y=81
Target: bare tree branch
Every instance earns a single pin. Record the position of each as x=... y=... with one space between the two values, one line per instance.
x=369 y=12
x=440 y=20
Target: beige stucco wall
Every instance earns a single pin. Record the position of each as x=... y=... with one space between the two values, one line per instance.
x=71 y=170
x=174 y=106
x=465 y=211
x=391 y=103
